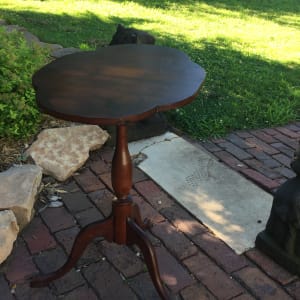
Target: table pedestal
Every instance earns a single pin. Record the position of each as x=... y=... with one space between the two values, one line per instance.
x=123 y=226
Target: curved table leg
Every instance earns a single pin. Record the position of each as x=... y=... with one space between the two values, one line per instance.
x=135 y=235
x=85 y=236
x=136 y=216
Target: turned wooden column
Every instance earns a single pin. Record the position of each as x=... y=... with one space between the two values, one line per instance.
x=121 y=178
x=121 y=174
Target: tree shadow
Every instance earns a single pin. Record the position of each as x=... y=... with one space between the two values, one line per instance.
x=258 y=7
x=282 y=12
x=61 y=28
x=231 y=98
x=254 y=6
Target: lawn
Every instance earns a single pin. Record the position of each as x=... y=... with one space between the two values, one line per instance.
x=250 y=50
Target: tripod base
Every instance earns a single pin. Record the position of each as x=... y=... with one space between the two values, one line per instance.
x=123 y=226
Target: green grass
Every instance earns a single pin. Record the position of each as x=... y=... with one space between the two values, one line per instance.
x=250 y=50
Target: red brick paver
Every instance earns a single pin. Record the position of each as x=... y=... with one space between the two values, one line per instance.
x=88 y=181
x=5 y=290
x=175 y=276
x=76 y=202
x=260 y=179
x=174 y=240
x=270 y=267
x=273 y=147
x=154 y=194
x=57 y=218
x=123 y=258
x=107 y=282
x=194 y=264
x=20 y=266
x=195 y=292
x=142 y=286
x=220 y=252
x=213 y=277
x=83 y=292
x=260 y=285
x=38 y=237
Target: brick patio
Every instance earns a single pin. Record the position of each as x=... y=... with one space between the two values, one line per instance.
x=194 y=264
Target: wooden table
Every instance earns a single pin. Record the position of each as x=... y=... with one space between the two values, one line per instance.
x=114 y=86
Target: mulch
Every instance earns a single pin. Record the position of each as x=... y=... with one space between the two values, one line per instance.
x=12 y=151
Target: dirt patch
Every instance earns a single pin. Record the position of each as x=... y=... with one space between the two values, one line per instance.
x=10 y=152
x=13 y=151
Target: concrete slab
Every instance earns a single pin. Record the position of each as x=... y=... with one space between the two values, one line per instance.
x=234 y=208
x=135 y=148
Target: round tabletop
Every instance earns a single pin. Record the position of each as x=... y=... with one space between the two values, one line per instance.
x=116 y=84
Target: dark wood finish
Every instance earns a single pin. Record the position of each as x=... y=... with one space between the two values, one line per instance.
x=135 y=235
x=114 y=86
x=85 y=236
x=121 y=171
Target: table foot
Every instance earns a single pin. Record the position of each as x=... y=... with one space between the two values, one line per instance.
x=124 y=226
x=135 y=235
x=85 y=236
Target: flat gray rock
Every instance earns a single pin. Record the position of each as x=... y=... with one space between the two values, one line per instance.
x=62 y=151
x=18 y=189
x=234 y=208
x=9 y=230
x=29 y=37
x=51 y=47
x=64 y=51
x=10 y=28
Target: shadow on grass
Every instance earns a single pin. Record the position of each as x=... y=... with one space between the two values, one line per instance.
x=254 y=6
x=241 y=90
x=259 y=7
x=87 y=30
x=285 y=12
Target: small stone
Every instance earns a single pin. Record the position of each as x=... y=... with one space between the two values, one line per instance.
x=64 y=192
x=62 y=151
x=18 y=189
x=8 y=233
x=55 y=204
x=54 y=198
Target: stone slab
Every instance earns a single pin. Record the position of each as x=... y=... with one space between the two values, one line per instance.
x=18 y=188
x=51 y=47
x=235 y=209
x=9 y=230
x=62 y=151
